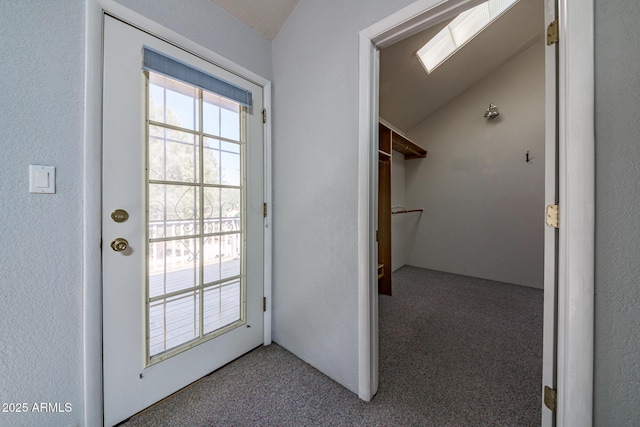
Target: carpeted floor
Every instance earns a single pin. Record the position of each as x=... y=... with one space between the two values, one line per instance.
x=454 y=351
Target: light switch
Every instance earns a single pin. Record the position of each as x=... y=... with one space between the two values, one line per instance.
x=42 y=179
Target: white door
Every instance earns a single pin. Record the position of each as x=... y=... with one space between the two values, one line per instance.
x=183 y=295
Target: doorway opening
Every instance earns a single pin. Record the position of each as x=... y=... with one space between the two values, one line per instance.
x=471 y=207
x=575 y=113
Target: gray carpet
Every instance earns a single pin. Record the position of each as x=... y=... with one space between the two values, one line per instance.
x=454 y=351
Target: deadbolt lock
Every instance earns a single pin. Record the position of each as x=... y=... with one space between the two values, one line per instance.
x=119 y=215
x=119 y=244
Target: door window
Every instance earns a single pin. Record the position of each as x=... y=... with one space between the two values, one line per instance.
x=195 y=216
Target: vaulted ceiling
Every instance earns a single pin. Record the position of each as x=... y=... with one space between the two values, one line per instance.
x=264 y=16
x=408 y=95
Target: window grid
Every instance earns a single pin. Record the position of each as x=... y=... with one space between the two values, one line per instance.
x=205 y=234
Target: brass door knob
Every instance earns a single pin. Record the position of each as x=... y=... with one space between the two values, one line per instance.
x=119 y=244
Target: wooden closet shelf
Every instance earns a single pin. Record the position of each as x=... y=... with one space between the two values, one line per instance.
x=407 y=147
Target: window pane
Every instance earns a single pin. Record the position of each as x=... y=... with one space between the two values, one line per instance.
x=462 y=29
x=173 y=155
x=173 y=102
x=221 y=117
x=173 y=210
x=230 y=164
x=230 y=248
x=222 y=257
x=211 y=211
x=173 y=266
x=230 y=205
x=211 y=114
x=230 y=123
x=173 y=321
x=469 y=23
x=221 y=305
x=211 y=259
x=437 y=49
x=211 y=161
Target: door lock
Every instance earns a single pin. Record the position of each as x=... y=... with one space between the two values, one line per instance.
x=119 y=215
x=119 y=244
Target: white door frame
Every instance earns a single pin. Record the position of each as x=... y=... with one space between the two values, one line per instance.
x=576 y=195
x=92 y=185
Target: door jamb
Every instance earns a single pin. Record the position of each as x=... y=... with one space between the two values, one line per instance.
x=92 y=186
x=576 y=195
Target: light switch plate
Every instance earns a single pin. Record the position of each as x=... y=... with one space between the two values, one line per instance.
x=42 y=179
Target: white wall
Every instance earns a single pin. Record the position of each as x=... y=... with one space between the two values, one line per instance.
x=403 y=225
x=484 y=205
x=315 y=69
x=41 y=235
x=212 y=27
x=41 y=117
x=399 y=249
x=617 y=316
x=397 y=180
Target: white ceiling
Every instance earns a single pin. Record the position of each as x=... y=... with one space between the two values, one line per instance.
x=408 y=95
x=264 y=16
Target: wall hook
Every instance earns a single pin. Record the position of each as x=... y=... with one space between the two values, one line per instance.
x=528 y=159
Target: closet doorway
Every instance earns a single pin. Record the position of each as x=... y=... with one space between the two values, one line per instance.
x=573 y=114
x=484 y=182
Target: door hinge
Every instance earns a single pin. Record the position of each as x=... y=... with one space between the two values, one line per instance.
x=264 y=115
x=550 y=398
x=553 y=216
x=264 y=210
x=264 y=303
x=552 y=33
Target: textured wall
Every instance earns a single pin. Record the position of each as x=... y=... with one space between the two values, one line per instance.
x=212 y=27
x=40 y=256
x=617 y=300
x=484 y=205
x=315 y=69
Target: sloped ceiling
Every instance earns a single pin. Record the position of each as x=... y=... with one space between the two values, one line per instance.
x=264 y=16
x=408 y=95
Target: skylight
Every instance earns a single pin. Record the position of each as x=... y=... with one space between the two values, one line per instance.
x=459 y=31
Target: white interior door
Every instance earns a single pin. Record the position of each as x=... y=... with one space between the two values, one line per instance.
x=183 y=295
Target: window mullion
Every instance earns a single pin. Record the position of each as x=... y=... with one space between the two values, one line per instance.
x=201 y=207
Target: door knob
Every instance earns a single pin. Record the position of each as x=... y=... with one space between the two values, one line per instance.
x=119 y=244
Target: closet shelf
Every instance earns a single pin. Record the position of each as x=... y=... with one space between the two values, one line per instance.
x=410 y=149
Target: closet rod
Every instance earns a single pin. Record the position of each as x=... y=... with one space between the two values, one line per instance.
x=407 y=211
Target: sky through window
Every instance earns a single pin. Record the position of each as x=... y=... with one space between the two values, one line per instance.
x=459 y=31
